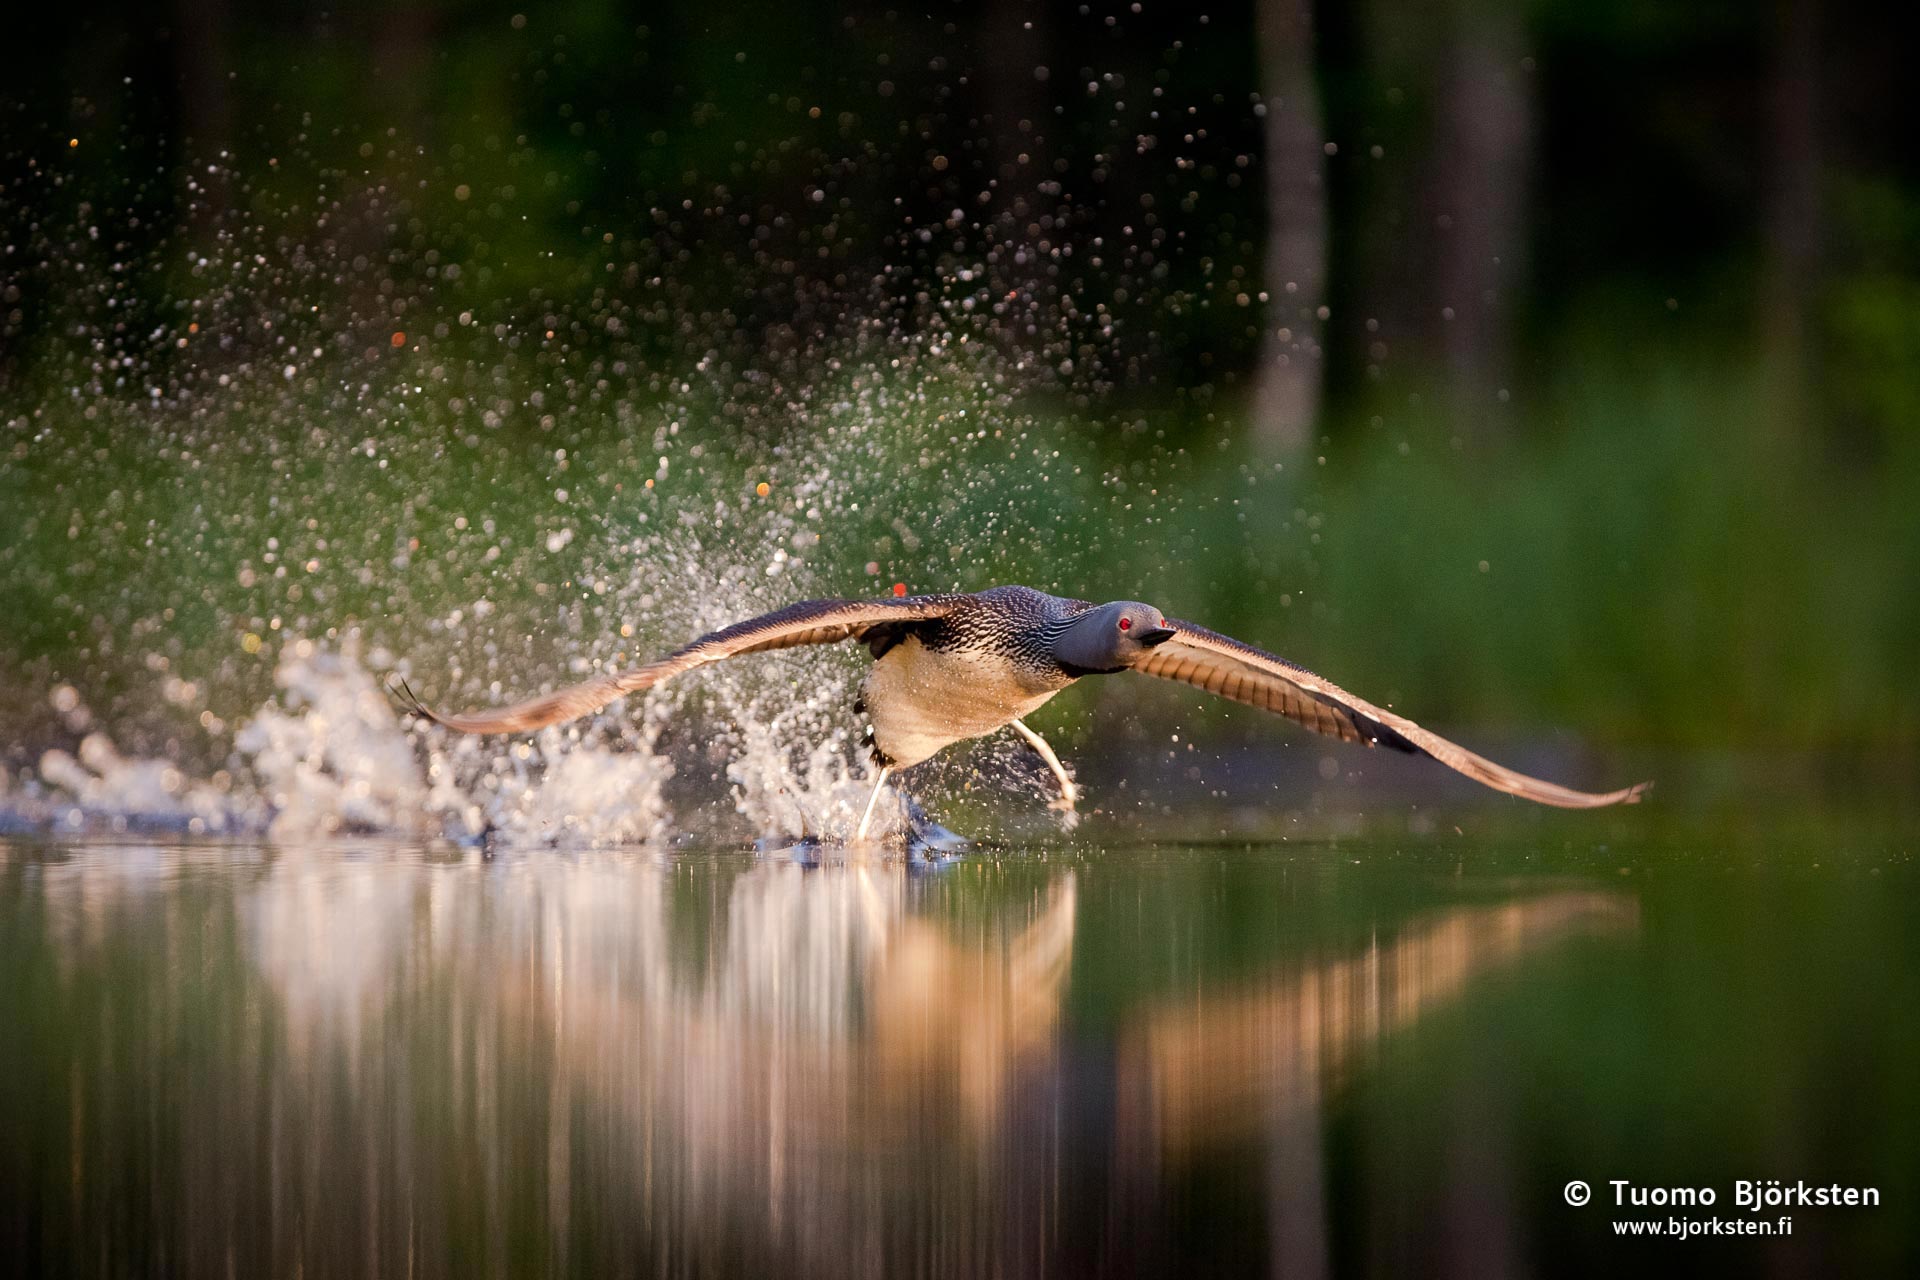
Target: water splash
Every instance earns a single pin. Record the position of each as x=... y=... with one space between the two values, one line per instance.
x=499 y=493
x=822 y=795
x=104 y=786
x=329 y=755
x=584 y=795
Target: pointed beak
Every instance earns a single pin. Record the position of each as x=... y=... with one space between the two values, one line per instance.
x=1156 y=636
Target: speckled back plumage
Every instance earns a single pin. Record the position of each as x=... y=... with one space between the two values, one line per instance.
x=1012 y=623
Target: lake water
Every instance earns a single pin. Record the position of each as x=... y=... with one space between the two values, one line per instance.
x=1334 y=1058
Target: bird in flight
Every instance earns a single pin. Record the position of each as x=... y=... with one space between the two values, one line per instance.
x=955 y=666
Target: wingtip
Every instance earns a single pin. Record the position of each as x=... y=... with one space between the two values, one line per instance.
x=409 y=702
x=1635 y=793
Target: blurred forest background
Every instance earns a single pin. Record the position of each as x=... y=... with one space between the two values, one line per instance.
x=1535 y=364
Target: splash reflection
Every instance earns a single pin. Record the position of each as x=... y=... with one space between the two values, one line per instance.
x=376 y=1063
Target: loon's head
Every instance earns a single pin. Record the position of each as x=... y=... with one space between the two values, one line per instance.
x=1110 y=637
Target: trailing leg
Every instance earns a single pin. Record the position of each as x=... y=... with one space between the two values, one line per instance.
x=867 y=817
x=1069 y=793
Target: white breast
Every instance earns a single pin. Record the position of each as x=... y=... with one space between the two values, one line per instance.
x=921 y=701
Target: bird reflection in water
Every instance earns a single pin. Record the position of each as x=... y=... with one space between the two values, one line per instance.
x=776 y=1089
x=672 y=1067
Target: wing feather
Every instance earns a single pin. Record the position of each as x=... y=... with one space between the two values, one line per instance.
x=810 y=622
x=1227 y=667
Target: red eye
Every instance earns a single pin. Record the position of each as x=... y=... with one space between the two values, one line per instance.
x=1126 y=624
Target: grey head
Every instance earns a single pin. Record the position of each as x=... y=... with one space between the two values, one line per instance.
x=1109 y=637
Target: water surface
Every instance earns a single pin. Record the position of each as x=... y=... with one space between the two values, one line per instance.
x=1337 y=1058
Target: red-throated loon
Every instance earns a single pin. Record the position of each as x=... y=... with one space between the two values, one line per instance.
x=951 y=667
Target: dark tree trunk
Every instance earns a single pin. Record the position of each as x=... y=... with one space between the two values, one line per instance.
x=1016 y=100
x=1793 y=215
x=200 y=54
x=206 y=112
x=1483 y=156
x=1288 y=389
x=402 y=62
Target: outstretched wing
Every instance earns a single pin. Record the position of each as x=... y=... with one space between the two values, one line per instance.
x=806 y=623
x=1224 y=666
